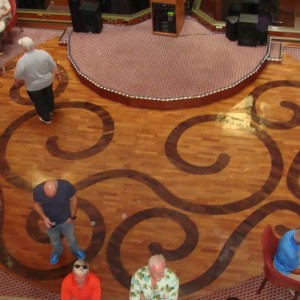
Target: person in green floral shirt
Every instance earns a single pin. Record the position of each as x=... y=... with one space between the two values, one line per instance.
x=154 y=281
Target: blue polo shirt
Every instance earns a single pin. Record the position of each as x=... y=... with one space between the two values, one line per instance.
x=286 y=258
x=57 y=208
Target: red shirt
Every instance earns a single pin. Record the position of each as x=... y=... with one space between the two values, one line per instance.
x=91 y=290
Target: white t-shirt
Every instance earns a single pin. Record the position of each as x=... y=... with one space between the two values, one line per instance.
x=35 y=67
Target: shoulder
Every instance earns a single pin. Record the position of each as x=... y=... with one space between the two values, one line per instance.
x=141 y=274
x=39 y=186
x=68 y=279
x=65 y=183
x=22 y=59
x=93 y=277
x=170 y=274
x=41 y=52
x=38 y=189
x=142 y=270
x=288 y=234
x=47 y=54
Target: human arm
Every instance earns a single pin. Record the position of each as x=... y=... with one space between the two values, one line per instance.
x=297 y=271
x=19 y=73
x=37 y=207
x=56 y=73
x=135 y=292
x=5 y=13
x=7 y=9
x=73 y=208
x=140 y=288
x=66 y=289
x=19 y=82
x=96 y=288
x=171 y=286
x=53 y=66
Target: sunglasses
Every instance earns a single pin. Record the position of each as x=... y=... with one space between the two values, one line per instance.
x=81 y=266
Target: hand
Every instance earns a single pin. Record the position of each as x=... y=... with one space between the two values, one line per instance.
x=19 y=83
x=142 y=297
x=297 y=271
x=69 y=220
x=48 y=222
x=57 y=76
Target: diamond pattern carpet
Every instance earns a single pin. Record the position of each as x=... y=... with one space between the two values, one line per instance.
x=38 y=35
x=13 y=288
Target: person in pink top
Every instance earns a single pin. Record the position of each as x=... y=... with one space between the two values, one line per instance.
x=81 y=284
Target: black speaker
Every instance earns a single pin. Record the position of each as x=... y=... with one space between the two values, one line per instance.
x=91 y=17
x=124 y=7
x=75 y=14
x=105 y=6
x=143 y=4
x=250 y=6
x=264 y=21
x=232 y=28
x=235 y=9
x=247 y=30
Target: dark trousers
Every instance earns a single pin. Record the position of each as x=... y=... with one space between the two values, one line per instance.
x=43 y=101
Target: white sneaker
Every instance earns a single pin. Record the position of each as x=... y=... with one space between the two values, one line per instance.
x=47 y=122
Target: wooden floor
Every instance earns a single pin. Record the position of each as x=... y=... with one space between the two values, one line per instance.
x=198 y=184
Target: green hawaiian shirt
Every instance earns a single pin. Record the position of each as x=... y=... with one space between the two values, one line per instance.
x=165 y=289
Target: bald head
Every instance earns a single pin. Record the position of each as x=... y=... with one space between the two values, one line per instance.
x=50 y=188
x=156 y=265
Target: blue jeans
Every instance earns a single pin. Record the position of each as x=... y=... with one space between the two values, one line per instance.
x=68 y=231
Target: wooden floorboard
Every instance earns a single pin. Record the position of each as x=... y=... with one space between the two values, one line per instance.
x=197 y=184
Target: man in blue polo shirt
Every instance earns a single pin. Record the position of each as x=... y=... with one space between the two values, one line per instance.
x=286 y=259
x=56 y=203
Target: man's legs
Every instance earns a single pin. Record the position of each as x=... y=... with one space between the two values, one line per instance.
x=49 y=97
x=54 y=235
x=68 y=231
x=40 y=100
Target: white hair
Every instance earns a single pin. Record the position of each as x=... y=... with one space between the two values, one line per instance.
x=26 y=43
x=156 y=260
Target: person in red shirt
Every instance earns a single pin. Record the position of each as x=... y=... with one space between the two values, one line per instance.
x=81 y=284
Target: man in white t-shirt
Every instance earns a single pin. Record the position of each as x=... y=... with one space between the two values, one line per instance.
x=36 y=68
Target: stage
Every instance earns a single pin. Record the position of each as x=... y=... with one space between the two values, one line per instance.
x=132 y=65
